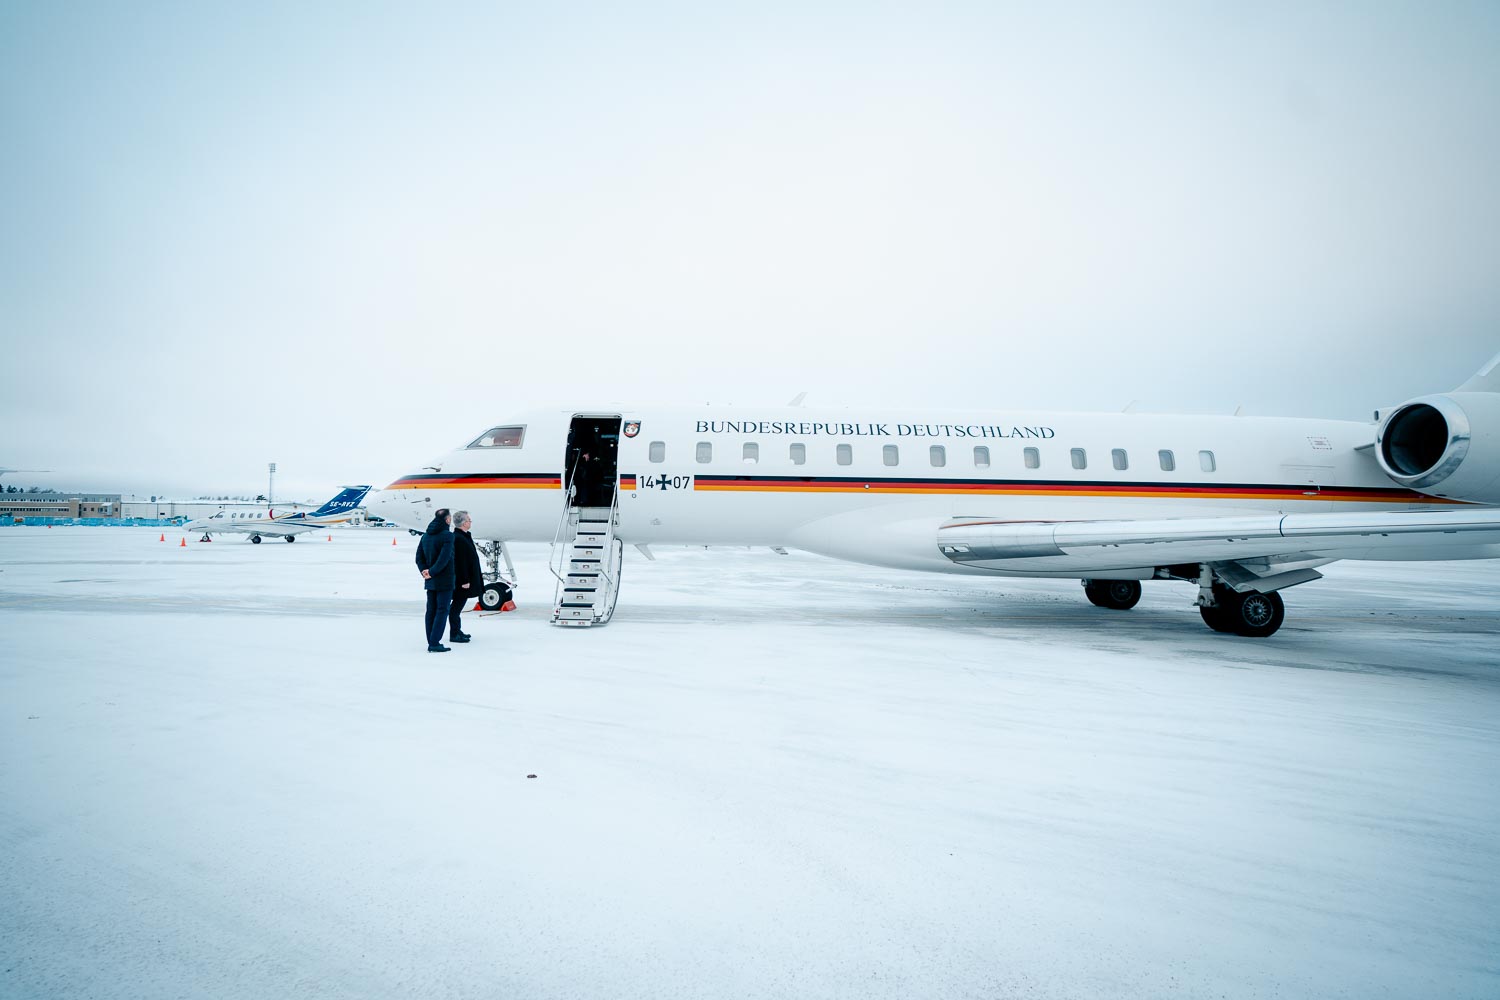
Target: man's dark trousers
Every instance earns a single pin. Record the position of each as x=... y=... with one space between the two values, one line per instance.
x=455 y=624
x=438 y=602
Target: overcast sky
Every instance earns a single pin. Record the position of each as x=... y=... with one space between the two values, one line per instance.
x=348 y=237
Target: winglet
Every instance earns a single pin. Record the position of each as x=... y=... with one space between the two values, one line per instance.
x=797 y=399
x=1487 y=379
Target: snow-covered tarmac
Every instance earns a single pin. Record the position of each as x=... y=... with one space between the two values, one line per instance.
x=233 y=771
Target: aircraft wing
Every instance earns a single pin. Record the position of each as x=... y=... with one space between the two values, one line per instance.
x=1431 y=534
x=280 y=529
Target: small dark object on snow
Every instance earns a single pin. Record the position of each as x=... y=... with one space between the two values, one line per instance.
x=531 y=776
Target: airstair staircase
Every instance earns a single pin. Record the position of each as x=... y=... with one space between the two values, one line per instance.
x=586 y=560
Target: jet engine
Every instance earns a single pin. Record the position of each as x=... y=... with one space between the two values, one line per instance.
x=1445 y=446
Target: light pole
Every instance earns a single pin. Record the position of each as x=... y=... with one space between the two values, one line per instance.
x=271 y=485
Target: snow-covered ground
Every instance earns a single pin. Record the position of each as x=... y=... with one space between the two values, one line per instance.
x=233 y=771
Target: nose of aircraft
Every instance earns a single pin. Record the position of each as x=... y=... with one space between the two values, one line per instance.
x=407 y=508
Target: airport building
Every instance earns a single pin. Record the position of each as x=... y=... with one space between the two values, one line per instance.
x=190 y=509
x=22 y=505
x=16 y=508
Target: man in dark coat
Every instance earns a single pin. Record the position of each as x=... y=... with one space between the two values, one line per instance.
x=435 y=560
x=468 y=574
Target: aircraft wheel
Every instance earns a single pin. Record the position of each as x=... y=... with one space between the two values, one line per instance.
x=1118 y=595
x=1255 y=616
x=254 y=539
x=1215 y=618
x=291 y=538
x=493 y=596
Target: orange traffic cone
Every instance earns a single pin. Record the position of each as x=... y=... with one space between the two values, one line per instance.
x=393 y=541
x=330 y=538
x=182 y=544
x=163 y=537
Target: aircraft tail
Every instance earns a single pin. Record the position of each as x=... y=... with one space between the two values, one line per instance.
x=348 y=499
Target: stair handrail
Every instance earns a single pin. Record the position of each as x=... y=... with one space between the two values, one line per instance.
x=568 y=493
x=616 y=559
x=614 y=510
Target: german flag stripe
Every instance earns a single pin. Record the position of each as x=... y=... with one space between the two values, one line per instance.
x=1054 y=488
x=969 y=487
x=480 y=481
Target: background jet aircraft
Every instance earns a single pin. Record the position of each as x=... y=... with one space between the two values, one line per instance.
x=288 y=526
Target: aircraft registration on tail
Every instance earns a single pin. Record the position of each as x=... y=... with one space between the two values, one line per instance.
x=1239 y=508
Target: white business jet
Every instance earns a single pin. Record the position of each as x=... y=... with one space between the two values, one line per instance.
x=287 y=525
x=1240 y=507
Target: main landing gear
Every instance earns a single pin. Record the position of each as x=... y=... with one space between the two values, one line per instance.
x=290 y=538
x=1252 y=614
x=1117 y=595
x=254 y=539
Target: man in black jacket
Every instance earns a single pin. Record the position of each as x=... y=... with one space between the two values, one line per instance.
x=435 y=560
x=468 y=574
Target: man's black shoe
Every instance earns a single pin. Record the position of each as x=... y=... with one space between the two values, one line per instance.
x=437 y=649
x=461 y=637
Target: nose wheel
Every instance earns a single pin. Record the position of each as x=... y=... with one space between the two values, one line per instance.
x=494 y=596
x=254 y=539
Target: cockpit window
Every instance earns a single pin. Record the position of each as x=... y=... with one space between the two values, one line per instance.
x=500 y=437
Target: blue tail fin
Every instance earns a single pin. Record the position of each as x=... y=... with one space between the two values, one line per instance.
x=346 y=501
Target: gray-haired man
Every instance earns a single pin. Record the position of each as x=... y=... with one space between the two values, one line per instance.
x=468 y=574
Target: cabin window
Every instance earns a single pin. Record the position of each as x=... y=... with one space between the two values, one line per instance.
x=844 y=454
x=1206 y=461
x=705 y=452
x=938 y=456
x=890 y=455
x=799 y=454
x=1033 y=458
x=658 y=451
x=981 y=457
x=1080 y=459
x=1121 y=461
x=750 y=454
x=1168 y=460
x=500 y=437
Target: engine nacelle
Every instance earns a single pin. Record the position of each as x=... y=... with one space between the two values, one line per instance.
x=1446 y=446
